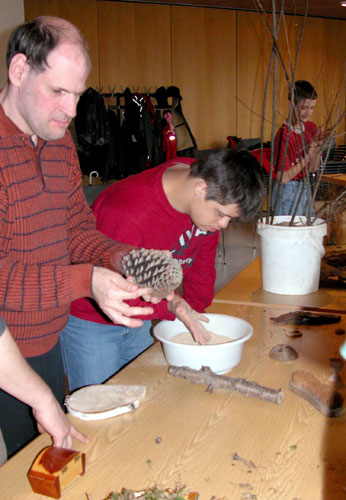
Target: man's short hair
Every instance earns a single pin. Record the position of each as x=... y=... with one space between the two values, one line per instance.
x=233 y=176
x=38 y=37
x=301 y=90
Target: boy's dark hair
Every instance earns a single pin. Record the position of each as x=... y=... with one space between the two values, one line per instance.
x=233 y=176
x=302 y=90
x=38 y=37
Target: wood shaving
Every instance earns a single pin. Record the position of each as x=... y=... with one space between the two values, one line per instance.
x=248 y=463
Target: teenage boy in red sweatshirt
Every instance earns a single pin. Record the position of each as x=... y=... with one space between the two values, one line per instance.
x=180 y=205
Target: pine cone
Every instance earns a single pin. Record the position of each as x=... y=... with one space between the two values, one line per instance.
x=153 y=269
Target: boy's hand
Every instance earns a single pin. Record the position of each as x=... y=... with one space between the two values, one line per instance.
x=320 y=135
x=191 y=319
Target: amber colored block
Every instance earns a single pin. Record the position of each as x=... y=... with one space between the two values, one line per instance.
x=54 y=468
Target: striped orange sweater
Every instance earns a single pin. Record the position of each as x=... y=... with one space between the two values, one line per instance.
x=45 y=226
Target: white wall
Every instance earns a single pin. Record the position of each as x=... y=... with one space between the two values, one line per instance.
x=11 y=14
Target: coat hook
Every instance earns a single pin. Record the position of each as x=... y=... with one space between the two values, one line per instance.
x=91 y=176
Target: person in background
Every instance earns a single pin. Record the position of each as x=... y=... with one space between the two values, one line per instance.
x=23 y=383
x=50 y=250
x=180 y=205
x=297 y=150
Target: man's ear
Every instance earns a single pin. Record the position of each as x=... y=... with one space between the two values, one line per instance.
x=18 y=69
x=201 y=189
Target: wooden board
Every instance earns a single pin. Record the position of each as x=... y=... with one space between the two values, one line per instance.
x=204 y=68
x=286 y=451
x=339 y=179
x=135 y=46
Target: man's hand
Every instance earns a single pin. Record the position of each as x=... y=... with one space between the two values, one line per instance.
x=21 y=381
x=110 y=289
x=151 y=298
x=53 y=420
x=191 y=319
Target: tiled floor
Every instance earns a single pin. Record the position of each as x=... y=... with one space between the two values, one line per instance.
x=242 y=245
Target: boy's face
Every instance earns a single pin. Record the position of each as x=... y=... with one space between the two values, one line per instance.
x=208 y=215
x=304 y=109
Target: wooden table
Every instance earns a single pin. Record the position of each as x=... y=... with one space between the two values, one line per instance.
x=287 y=451
x=339 y=179
x=246 y=288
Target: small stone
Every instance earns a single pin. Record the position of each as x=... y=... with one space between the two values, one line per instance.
x=283 y=353
x=294 y=333
x=158 y=440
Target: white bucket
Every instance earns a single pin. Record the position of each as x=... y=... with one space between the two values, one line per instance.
x=291 y=256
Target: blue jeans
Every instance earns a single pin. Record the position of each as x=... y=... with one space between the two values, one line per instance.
x=93 y=352
x=288 y=198
x=16 y=421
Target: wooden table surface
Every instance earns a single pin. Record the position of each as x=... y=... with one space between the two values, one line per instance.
x=286 y=452
x=246 y=288
x=339 y=179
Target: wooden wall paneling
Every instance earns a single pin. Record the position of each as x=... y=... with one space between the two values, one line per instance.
x=221 y=76
x=253 y=55
x=135 y=45
x=322 y=62
x=204 y=68
x=82 y=13
x=254 y=46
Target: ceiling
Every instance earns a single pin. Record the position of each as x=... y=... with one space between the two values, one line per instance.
x=320 y=8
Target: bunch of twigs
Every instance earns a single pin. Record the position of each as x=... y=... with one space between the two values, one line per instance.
x=337 y=110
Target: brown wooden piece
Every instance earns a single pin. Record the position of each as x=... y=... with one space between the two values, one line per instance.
x=306 y=318
x=323 y=397
x=53 y=469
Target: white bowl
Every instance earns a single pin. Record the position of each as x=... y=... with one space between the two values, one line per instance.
x=220 y=358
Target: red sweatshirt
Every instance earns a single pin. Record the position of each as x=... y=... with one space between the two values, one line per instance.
x=298 y=143
x=136 y=211
x=45 y=225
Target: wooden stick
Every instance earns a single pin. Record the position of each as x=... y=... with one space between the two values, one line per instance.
x=206 y=376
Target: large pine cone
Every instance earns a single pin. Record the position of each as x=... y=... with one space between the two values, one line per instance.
x=153 y=269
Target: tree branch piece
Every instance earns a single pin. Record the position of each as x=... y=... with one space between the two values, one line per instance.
x=206 y=376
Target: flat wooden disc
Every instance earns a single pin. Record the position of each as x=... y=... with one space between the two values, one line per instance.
x=96 y=402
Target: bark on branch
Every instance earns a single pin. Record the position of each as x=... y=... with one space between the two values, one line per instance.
x=206 y=376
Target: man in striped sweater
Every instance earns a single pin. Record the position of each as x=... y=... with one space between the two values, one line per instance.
x=50 y=250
